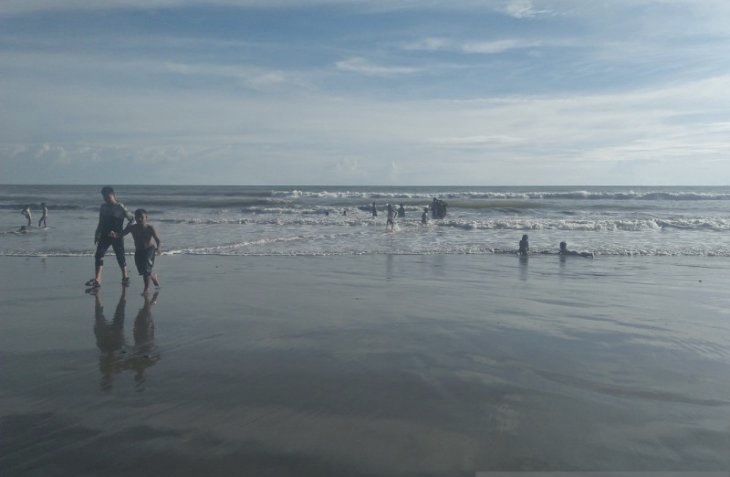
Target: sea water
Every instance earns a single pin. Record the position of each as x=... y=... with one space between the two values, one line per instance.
x=326 y=220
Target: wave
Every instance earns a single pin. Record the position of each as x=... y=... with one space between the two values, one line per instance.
x=506 y=195
x=320 y=201
x=319 y=218
x=599 y=225
x=35 y=207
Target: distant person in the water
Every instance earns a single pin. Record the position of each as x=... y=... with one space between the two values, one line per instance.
x=401 y=211
x=390 y=224
x=111 y=219
x=44 y=215
x=374 y=210
x=26 y=214
x=564 y=252
x=524 y=246
x=438 y=208
x=144 y=250
x=424 y=216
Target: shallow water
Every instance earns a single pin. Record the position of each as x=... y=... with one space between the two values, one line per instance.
x=367 y=365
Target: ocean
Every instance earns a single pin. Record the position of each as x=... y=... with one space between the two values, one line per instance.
x=326 y=220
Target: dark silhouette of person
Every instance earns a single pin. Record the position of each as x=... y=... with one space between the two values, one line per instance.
x=524 y=249
x=564 y=252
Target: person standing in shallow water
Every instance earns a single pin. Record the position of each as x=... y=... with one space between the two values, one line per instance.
x=390 y=223
x=524 y=246
x=111 y=219
x=44 y=215
x=26 y=214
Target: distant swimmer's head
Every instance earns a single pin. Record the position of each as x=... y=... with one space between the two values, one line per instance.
x=563 y=246
x=524 y=237
x=43 y=204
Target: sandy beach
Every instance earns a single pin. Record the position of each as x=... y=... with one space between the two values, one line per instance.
x=365 y=365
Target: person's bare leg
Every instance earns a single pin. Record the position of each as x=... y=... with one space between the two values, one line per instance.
x=146 y=284
x=97 y=274
x=155 y=279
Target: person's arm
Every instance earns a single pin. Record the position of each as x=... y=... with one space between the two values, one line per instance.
x=97 y=233
x=128 y=214
x=157 y=239
x=126 y=230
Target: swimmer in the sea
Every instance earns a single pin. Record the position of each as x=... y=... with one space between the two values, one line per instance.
x=564 y=252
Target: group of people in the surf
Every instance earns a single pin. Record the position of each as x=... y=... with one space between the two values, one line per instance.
x=437 y=210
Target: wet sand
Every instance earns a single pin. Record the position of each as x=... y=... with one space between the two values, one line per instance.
x=369 y=365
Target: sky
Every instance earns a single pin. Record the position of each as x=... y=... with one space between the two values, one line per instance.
x=365 y=92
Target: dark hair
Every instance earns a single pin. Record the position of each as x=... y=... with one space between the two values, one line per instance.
x=140 y=212
x=107 y=190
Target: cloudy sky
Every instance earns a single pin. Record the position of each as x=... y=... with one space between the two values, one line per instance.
x=413 y=92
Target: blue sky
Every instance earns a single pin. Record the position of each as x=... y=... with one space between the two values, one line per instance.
x=464 y=92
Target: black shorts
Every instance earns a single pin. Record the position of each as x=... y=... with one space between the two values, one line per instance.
x=145 y=260
x=102 y=246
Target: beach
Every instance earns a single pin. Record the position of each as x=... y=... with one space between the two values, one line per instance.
x=365 y=365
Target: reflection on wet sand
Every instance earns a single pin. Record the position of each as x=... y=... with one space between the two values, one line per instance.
x=523 y=267
x=116 y=356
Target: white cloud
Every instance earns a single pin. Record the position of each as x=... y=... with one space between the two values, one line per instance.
x=471 y=46
x=429 y=44
x=305 y=138
x=497 y=46
x=365 y=67
x=520 y=9
x=476 y=141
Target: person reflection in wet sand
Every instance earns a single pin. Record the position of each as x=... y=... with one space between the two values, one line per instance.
x=145 y=353
x=523 y=267
x=110 y=340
